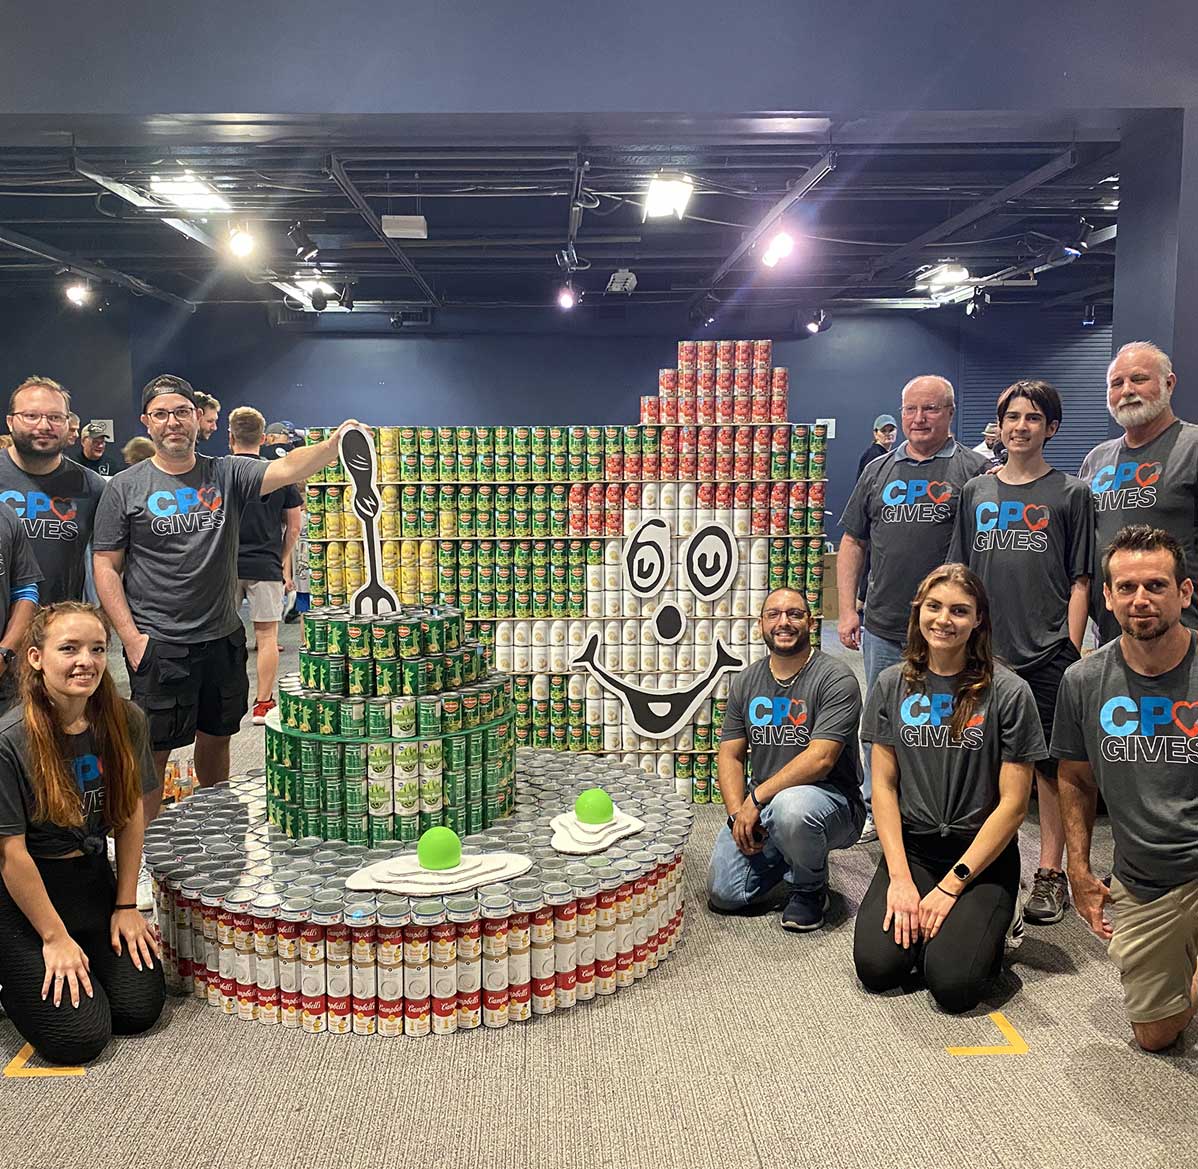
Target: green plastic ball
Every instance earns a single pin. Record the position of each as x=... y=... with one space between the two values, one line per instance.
x=594 y=806
x=439 y=848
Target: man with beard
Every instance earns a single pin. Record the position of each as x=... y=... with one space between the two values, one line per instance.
x=72 y=430
x=209 y=408
x=1125 y=726
x=792 y=716
x=1149 y=475
x=55 y=497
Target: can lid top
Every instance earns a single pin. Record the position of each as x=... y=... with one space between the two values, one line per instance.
x=266 y=904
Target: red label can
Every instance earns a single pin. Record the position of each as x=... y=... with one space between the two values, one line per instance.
x=669 y=466
x=743 y=440
x=688 y=465
x=761 y=466
x=632 y=465
x=742 y=410
x=706 y=492
x=742 y=466
x=779 y=495
x=743 y=353
x=780 y=440
x=688 y=383
x=687 y=410
x=779 y=408
x=779 y=521
x=725 y=406
x=705 y=409
x=816 y=494
x=798 y=494
x=650 y=466
x=705 y=383
x=669 y=410
x=761 y=440
x=742 y=496
x=650 y=409
x=705 y=439
x=725 y=495
x=669 y=439
x=667 y=382
x=724 y=467
x=613 y=466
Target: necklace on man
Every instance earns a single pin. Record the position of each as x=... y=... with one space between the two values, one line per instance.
x=789 y=681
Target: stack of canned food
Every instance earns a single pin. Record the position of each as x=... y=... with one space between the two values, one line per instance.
x=261 y=927
x=720 y=381
x=394 y=725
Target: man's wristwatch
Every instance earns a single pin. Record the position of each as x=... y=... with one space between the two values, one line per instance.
x=7 y=656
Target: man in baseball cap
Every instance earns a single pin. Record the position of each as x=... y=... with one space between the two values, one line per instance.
x=93 y=449
x=280 y=437
x=885 y=428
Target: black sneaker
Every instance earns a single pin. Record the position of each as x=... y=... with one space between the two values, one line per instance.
x=805 y=911
x=1049 y=899
x=292 y=617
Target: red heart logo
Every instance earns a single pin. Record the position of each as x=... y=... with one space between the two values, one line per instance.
x=945 y=494
x=63 y=508
x=210 y=498
x=1148 y=473
x=1192 y=708
x=1037 y=524
x=976 y=721
x=798 y=713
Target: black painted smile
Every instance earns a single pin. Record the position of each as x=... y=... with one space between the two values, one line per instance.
x=658 y=715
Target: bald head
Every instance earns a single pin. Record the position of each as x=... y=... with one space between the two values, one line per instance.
x=928 y=406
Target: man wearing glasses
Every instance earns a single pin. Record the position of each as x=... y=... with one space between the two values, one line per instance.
x=166 y=571
x=55 y=498
x=902 y=511
x=793 y=717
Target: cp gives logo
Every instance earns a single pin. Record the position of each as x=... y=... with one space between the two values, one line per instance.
x=709 y=560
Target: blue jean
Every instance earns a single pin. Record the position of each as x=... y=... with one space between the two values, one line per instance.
x=802 y=825
x=878 y=654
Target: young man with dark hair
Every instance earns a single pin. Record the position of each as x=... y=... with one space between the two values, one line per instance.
x=166 y=571
x=55 y=497
x=1028 y=533
x=793 y=715
x=270 y=527
x=1126 y=727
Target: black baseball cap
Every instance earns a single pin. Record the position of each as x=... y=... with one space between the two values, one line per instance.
x=166 y=383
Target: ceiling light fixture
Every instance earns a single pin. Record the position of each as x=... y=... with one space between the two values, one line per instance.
x=779 y=248
x=566 y=298
x=347 y=298
x=78 y=293
x=189 y=193
x=668 y=194
x=817 y=322
x=305 y=249
x=622 y=282
x=241 y=240
x=946 y=274
x=978 y=303
x=1088 y=317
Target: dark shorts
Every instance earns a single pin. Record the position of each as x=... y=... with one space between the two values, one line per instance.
x=188 y=688
x=1045 y=682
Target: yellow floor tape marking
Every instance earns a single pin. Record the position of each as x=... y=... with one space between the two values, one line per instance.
x=1014 y=1045
x=16 y=1069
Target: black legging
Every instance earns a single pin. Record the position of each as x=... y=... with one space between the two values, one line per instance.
x=965 y=954
x=126 y=1000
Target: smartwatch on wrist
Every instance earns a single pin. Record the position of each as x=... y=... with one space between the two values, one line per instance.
x=7 y=656
x=962 y=871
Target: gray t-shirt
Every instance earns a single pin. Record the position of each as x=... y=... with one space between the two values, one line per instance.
x=905 y=509
x=179 y=536
x=1028 y=543
x=1155 y=484
x=57 y=511
x=18 y=566
x=950 y=785
x=779 y=722
x=1140 y=735
x=17 y=801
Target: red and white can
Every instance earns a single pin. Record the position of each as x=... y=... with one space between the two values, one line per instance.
x=650 y=409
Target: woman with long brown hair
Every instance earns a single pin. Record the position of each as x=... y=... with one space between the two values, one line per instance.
x=954 y=737
x=77 y=960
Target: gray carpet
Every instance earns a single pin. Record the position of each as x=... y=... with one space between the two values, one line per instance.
x=749 y=1047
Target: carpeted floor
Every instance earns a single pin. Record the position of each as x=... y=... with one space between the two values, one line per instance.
x=749 y=1047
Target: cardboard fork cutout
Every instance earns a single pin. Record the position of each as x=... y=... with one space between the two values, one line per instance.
x=373 y=598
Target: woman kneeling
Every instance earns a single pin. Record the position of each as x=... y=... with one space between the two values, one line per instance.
x=954 y=736
x=77 y=961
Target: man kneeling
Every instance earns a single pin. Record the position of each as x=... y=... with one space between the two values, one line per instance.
x=793 y=715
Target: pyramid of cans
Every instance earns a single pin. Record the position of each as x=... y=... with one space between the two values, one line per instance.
x=393 y=725
x=523 y=527
x=262 y=928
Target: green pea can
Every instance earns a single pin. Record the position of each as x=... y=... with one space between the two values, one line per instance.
x=316 y=633
x=356 y=830
x=469 y=701
x=305 y=720
x=310 y=792
x=379 y=830
x=409 y=676
x=357 y=638
x=407 y=828
x=360 y=678
x=384 y=639
x=432 y=675
x=328 y=715
x=378 y=718
x=334 y=824
x=337 y=638
x=428 y=715
x=355 y=757
x=353 y=717
x=432 y=627
x=403 y=717
x=453 y=748
x=386 y=678
x=333 y=675
x=453 y=669
x=451 y=712
x=356 y=791
x=330 y=760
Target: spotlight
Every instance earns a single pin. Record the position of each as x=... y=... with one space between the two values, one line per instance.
x=347 y=298
x=566 y=298
x=817 y=322
x=78 y=293
x=241 y=241
x=668 y=194
x=1084 y=231
x=978 y=303
x=1088 y=316
x=305 y=249
x=318 y=299
x=947 y=274
x=779 y=248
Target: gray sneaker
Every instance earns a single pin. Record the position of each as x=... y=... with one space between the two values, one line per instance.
x=1049 y=899
x=868 y=832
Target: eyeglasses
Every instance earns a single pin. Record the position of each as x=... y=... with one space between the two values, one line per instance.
x=32 y=418
x=179 y=414
x=930 y=411
x=795 y=615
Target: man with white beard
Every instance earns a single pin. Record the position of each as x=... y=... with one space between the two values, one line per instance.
x=1149 y=475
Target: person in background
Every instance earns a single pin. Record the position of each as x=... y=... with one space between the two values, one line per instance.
x=136 y=449
x=954 y=737
x=1028 y=532
x=991 y=445
x=78 y=961
x=166 y=571
x=55 y=498
x=1125 y=727
x=209 y=414
x=95 y=455
x=1149 y=474
x=269 y=529
x=20 y=577
x=5 y=442
x=901 y=512
x=885 y=429
x=280 y=437
x=793 y=715
x=72 y=431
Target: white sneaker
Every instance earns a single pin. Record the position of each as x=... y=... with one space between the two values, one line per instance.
x=868 y=832
x=145 y=889
x=1014 y=938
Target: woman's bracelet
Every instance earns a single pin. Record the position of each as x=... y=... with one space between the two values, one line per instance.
x=116 y=907
x=954 y=896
